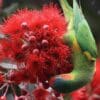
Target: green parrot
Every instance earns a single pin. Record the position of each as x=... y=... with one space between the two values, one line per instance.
x=80 y=39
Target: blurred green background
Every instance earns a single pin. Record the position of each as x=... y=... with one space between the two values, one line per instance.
x=90 y=8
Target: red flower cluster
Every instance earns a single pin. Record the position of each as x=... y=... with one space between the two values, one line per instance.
x=33 y=41
x=91 y=91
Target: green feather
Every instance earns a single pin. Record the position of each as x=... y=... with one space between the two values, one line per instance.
x=83 y=33
x=68 y=13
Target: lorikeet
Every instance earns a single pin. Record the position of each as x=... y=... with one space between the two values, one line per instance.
x=81 y=40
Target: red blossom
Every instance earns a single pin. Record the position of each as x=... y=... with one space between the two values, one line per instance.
x=34 y=42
